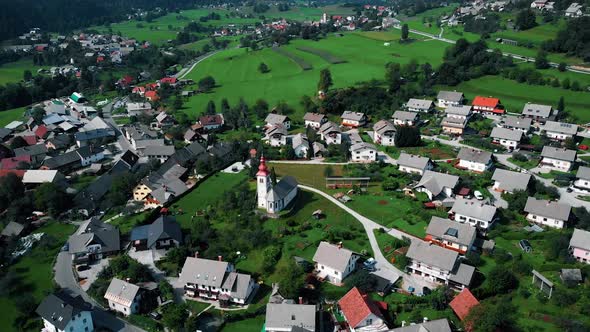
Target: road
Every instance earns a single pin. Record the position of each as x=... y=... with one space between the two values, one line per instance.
x=185 y=71
x=107 y=116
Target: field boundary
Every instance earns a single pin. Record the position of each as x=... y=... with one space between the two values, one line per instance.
x=299 y=61
x=327 y=56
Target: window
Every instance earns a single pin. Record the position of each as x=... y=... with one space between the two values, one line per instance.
x=84 y=321
x=125 y=309
x=336 y=272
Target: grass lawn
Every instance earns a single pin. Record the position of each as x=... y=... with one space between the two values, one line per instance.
x=431 y=149
x=126 y=223
x=12 y=72
x=525 y=164
x=8 y=116
x=311 y=175
x=246 y=325
x=197 y=307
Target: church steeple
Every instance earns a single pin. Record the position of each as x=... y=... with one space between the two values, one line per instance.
x=263 y=184
x=262 y=169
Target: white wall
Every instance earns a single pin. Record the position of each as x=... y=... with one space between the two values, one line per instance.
x=559 y=165
x=479 y=223
x=364 y=156
x=385 y=140
x=473 y=166
x=336 y=139
x=133 y=308
x=581 y=183
x=555 y=223
x=558 y=136
x=510 y=145
x=336 y=276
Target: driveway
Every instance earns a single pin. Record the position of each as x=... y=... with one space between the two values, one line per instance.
x=91 y=274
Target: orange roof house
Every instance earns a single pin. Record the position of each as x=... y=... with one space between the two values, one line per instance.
x=487 y=104
x=152 y=95
x=360 y=311
x=463 y=303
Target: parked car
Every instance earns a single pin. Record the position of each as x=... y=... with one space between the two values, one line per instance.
x=369 y=264
x=81 y=268
x=525 y=245
x=478 y=195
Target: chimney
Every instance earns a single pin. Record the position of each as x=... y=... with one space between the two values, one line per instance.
x=340 y=245
x=300 y=300
x=196 y=254
x=220 y=258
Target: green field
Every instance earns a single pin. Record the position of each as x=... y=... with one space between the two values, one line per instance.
x=8 y=116
x=12 y=72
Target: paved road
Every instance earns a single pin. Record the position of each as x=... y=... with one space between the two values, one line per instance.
x=185 y=71
x=370 y=226
x=107 y=116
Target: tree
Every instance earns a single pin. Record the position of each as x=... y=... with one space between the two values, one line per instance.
x=11 y=187
x=562 y=66
x=263 y=68
x=393 y=76
x=38 y=114
x=177 y=103
x=541 y=61
x=405 y=32
x=292 y=280
x=325 y=80
x=261 y=108
x=308 y=104
x=525 y=19
x=18 y=142
x=27 y=75
x=407 y=136
x=206 y=84
x=576 y=86
x=328 y=171
x=174 y=315
x=501 y=280
x=273 y=176
x=566 y=83
x=491 y=317
x=289 y=152
x=210 y=109
x=51 y=198
x=363 y=280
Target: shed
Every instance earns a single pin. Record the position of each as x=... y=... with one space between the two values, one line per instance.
x=543 y=283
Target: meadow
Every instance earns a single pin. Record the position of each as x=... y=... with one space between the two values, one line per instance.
x=12 y=72
x=8 y=116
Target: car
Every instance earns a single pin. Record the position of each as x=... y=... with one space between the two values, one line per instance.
x=569 y=190
x=83 y=267
x=155 y=315
x=66 y=247
x=478 y=195
x=369 y=264
x=525 y=245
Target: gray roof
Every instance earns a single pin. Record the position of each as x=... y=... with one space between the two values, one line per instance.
x=202 y=271
x=474 y=155
x=141 y=143
x=277 y=129
x=31 y=150
x=354 y=116
x=449 y=121
x=561 y=127
x=40 y=176
x=12 y=229
x=439 y=325
x=516 y=122
x=159 y=150
x=329 y=127
x=571 y=275
x=383 y=126
x=313 y=117
x=59 y=308
x=332 y=256
x=463 y=110
x=421 y=104
x=435 y=182
x=299 y=139
x=583 y=173
x=163 y=228
x=238 y=284
x=450 y=96
x=318 y=147
x=404 y=116
x=431 y=254
x=108 y=239
x=463 y=274
x=511 y=181
x=580 y=239
x=121 y=292
x=452 y=231
x=549 y=209
x=413 y=161
x=286 y=315
x=282 y=188
x=474 y=208
x=64 y=159
x=543 y=111
x=276 y=118
x=362 y=146
x=558 y=153
x=509 y=134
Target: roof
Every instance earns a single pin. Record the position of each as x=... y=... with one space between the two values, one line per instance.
x=299 y=139
x=62 y=160
x=580 y=239
x=583 y=173
x=356 y=307
x=463 y=303
x=273 y=118
x=413 y=161
x=439 y=325
x=383 y=126
x=453 y=96
x=109 y=240
x=162 y=228
x=332 y=256
x=162 y=116
x=537 y=110
x=329 y=127
x=362 y=146
x=474 y=208
x=511 y=181
x=59 y=308
x=353 y=116
x=454 y=122
x=558 y=153
x=12 y=162
x=433 y=255
x=571 y=274
x=422 y=104
x=202 y=271
x=549 y=209
x=314 y=117
x=561 y=127
x=404 y=116
x=504 y=133
x=474 y=155
x=282 y=188
x=40 y=176
x=463 y=275
x=121 y=292
x=159 y=150
x=516 y=122
x=12 y=229
x=211 y=120
x=452 y=231
x=463 y=110
x=286 y=315
x=435 y=182
x=485 y=101
x=32 y=150
x=277 y=129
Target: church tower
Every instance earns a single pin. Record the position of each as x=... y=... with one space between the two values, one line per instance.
x=263 y=183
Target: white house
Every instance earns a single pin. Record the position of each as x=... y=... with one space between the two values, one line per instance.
x=559 y=159
x=353 y=119
x=63 y=313
x=333 y=263
x=449 y=98
x=361 y=313
x=516 y=123
x=560 y=130
x=89 y=155
x=537 y=112
x=363 y=153
x=274 y=198
x=123 y=297
x=287 y=317
x=508 y=138
x=582 y=182
x=419 y=105
x=438 y=186
x=277 y=119
x=547 y=213
x=403 y=118
x=314 y=120
x=300 y=144
x=574 y=10
x=413 y=164
x=331 y=133
x=474 y=159
x=276 y=135
x=384 y=133
x=509 y=181
x=450 y=234
x=474 y=212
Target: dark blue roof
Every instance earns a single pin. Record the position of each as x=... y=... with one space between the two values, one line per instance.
x=140 y=233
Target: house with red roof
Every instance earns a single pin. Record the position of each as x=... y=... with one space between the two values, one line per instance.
x=139 y=90
x=99 y=59
x=172 y=81
x=125 y=81
x=487 y=105
x=41 y=132
x=211 y=122
x=151 y=86
x=463 y=303
x=13 y=162
x=152 y=95
x=30 y=139
x=19 y=173
x=361 y=313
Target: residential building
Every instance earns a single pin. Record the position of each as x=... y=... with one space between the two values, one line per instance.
x=559 y=159
x=582 y=182
x=163 y=233
x=414 y=164
x=12 y=229
x=487 y=105
x=403 y=118
x=449 y=98
x=453 y=125
x=516 y=123
x=384 y=133
x=547 y=213
x=62 y=313
x=463 y=303
x=438 y=325
x=331 y=133
x=300 y=145
x=274 y=198
x=450 y=234
x=419 y=105
x=211 y=122
x=215 y=281
x=474 y=160
x=333 y=263
x=35 y=177
x=461 y=112
x=276 y=135
x=287 y=317
x=361 y=313
x=123 y=297
x=508 y=138
x=277 y=119
x=93 y=241
x=509 y=181
x=537 y=112
x=560 y=130
x=474 y=212
x=319 y=150
x=164 y=120
x=574 y=10
x=314 y=120
x=94 y=131
x=580 y=245
x=158 y=152
x=438 y=186
x=363 y=153
x=353 y=119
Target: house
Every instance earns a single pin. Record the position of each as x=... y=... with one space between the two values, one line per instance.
x=300 y=145
x=172 y=81
x=403 y=118
x=579 y=246
x=509 y=181
x=508 y=138
x=152 y=95
x=463 y=303
x=450 y=234
x=574 y=10
x=274 y=198
x=158 y=152
x=211 y=122
x=487 y=105
x=384 y=133
x=164 y=120
x=93 y=241
x=474 y=212
x=460 y=112
x=559 y=159
x=331 y=133
x=474 y=160
x=163 y=233
x=582 y=182
x=277 y=119
x=560 y=130
x=34 y=176
x=439 y=265
x=215 y=281
x=62 y=313
x=453 y=125
x=516 y=123
x=138 y=108
x=59 y=142
x=290 y=317
x=276 y=135
x=571 y=276
x=333 y=263
x=37 y=152
x=413 y=164
x=97 y=130
x=547 y=213
x=314 y=120
x=77 y=98
x=363 y=153
x=20 y=162
x=41 y=132
x=353 y=119
x=12 y=229
x=437 y=186
x=419 y=105
x=361 y=313
x=438 y=325
x=449 y=98
x=123 y=297
x=537 y=112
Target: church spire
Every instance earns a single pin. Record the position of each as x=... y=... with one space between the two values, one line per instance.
x=262 y=169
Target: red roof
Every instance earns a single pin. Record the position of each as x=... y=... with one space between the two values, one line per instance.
x=464 y=191
x=169 y=80
x=356 y=307
x=485 y=101
x=127 y=79
x=30 y=139
x=151 y=95
x=19 y=173
x=41 y=131
x=100 y=59
x=463 y=303
x=12 y=163
x=262 y=169
x=138 y=89
x=151 y=86
x=211 y=120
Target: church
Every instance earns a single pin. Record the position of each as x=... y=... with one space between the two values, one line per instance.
x=274 y=198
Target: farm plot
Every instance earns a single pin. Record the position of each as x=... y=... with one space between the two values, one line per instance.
x=302 y=63
x=327 y=56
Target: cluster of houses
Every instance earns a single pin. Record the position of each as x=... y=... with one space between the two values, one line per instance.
x=574 y=9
